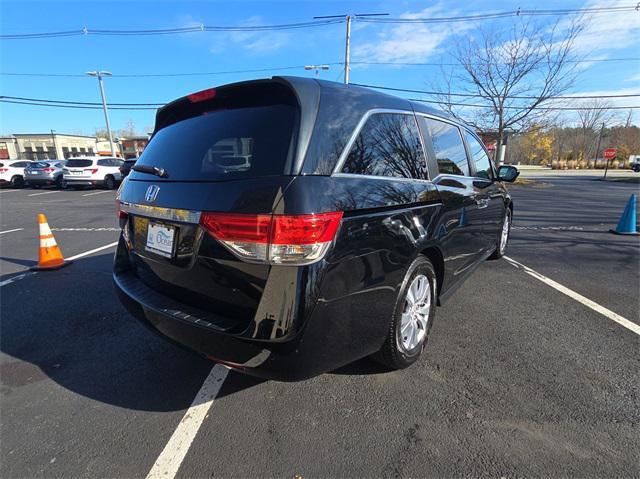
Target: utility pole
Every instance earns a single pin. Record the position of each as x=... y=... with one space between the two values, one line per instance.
x=598 y=148
x=347 y=46
x=99 y=74
x=347 y=51
x=55 y=147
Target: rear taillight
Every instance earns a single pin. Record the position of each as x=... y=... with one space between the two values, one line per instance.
x=122 y=215
x=93 y=171
x=4 y=170
x=48 y=170
x=275 y=239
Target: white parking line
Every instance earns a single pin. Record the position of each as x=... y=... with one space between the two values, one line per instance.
x=87 y=253
x=78 y=256
x=622 y=321
x=16 y=278
x=171 y=457
x=45 y=193
x=11 y=231
x=8 y=191
x=97 y=193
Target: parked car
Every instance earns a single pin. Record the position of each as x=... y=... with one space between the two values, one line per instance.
x=357 y=213
x=12 y=172
x=92 y=171
x=126 y=167
x=634 y=162
x=41 y=173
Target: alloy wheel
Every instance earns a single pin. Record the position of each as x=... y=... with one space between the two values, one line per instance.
x=415 y=315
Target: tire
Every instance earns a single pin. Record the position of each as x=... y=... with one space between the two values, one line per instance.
x=401 y=349
x=59 y=182
x=503 y=241
x=17 y=181
x=109 y=182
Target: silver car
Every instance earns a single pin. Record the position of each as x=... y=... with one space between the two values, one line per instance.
x=47 y=172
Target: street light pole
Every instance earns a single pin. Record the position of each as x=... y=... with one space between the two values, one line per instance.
x=99 y=75
x=317 y=68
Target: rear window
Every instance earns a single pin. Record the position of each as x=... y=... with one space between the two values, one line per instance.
x=225 y=144
x=39 y=164
x=78 y=163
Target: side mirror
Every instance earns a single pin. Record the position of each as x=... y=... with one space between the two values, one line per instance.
x=508 y=173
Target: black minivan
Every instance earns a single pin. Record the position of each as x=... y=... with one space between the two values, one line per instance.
x=289 y=226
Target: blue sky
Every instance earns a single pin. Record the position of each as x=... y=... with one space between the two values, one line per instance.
x=607 y=36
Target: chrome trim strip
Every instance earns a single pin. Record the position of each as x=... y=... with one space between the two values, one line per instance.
x=374 y=177
x=356 y=132
x=171 y=214
x=439 y=118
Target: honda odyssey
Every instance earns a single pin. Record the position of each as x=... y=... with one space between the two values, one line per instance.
x=287 y=227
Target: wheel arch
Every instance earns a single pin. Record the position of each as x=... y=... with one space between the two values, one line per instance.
x=433 y=254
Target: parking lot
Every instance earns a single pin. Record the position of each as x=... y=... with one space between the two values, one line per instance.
x=532 y=367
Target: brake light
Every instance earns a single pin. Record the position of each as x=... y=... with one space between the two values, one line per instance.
x=93 y=171
x=274 y=239
x=4 y=170
x=202 y=95
x=48 y=170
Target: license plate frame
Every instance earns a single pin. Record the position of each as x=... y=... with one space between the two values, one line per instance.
x=161 y=239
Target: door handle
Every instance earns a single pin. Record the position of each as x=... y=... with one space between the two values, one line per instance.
x=482 y=202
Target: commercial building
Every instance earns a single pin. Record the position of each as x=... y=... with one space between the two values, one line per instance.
x=46 y=146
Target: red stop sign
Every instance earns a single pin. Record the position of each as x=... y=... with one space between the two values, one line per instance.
x=609 y=153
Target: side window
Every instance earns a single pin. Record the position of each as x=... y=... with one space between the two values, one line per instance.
x=104 y=162
x=479 y=157
x=447 y=146
x=388 y=145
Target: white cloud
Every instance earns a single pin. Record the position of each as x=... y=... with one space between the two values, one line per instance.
x=605 y=33
x=255 y=42
x=410 y=42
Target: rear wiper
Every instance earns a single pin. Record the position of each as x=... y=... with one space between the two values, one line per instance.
x=152 y=170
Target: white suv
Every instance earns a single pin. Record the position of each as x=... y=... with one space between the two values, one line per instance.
x=96 y=171
x=12 y=172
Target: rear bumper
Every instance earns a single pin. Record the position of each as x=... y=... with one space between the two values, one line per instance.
x=329 y=338
x=83 y=182
x=39 y=181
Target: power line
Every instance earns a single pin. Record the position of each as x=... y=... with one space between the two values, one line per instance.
x=548 y=108
x=153 y=106
x=148 y=75
x=85 y=31
x=496 y=15
x=474 y=95
x=20 y=102
x=436 y=64
x=268 y=69
x=19 y=98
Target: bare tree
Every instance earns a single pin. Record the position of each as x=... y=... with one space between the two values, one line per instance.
x=593 y=113
x=511 y=74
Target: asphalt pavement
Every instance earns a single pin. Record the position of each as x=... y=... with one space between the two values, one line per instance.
x=518 y=378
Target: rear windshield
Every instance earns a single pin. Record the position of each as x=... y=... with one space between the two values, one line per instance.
x=225 y=144
x=39 y=164
x=79 y=163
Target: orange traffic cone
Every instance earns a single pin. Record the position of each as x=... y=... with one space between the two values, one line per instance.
x=50 y=256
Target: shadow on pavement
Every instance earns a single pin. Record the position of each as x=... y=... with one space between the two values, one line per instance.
x=21 y=262
x=68 y=326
